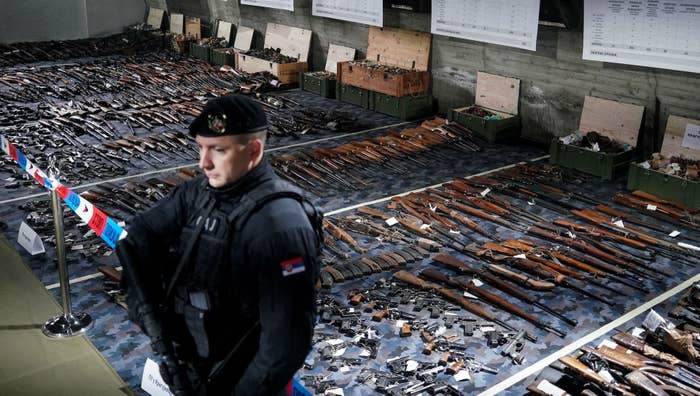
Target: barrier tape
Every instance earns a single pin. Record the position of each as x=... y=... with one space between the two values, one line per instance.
x=97 y=220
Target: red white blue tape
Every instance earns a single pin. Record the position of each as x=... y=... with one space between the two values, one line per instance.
x=97 y=220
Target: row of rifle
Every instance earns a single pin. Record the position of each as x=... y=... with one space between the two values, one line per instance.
x=352 y=166
x=135 y=40
x=659 y=358
x=588 y=259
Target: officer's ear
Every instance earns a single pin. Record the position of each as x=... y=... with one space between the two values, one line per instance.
x=255 y=149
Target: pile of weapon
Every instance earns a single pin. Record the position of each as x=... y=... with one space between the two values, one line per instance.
x=481 y=112
x=137 y=41
x=288 y=117
x=595 y=141
x=676 y=166
x=421 y=313
x=351 y=165
x=371 y=65
x=322 y=75
x=271 y=54
x=659 y=358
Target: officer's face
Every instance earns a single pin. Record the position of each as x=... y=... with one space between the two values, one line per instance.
x=224 y=159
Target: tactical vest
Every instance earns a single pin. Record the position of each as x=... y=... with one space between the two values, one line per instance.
x=203 y=296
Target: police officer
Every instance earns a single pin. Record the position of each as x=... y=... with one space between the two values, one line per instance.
x=237 y=297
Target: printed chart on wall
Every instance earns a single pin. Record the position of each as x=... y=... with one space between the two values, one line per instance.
x=281 y=4
x=645 y=33
x=369 y=12
x=506 y=22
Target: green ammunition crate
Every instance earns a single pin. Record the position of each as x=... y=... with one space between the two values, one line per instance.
x=405 y=107
x=220 y=57
x=603 y=165
x=200 y=51
x=354 y=95
x=320 y=86
x=663 y=185
x=491 y=130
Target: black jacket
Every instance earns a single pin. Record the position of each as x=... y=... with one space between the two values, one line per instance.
x=261 y=278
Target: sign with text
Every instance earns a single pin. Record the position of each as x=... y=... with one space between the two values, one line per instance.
x=155 y=17
x=177 y=23
x=152 y=382
x=644 y=33
x=29 y=240
x=691 y=139
x=279 y=4
x=511 y=23
x=367 y=12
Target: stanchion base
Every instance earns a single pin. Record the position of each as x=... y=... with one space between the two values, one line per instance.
x=63 y=326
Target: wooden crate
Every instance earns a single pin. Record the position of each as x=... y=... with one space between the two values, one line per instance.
x=392 y=47
x=618 y=121
x=664 y=185
x=294 y=42
x=499 y=95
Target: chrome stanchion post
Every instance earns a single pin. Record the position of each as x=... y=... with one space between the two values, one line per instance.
x=69 y=323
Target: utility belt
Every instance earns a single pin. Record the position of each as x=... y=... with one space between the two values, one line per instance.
x=201 y=311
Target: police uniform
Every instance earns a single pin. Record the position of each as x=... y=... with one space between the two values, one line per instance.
x=242 y=310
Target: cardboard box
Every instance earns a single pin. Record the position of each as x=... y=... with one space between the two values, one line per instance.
x=618 y=121
x=499 y=95
x=662 y=184
x=390 y=47
x=294 y=42
x=324 y=84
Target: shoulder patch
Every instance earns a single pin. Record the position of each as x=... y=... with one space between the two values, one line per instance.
x=292 y=266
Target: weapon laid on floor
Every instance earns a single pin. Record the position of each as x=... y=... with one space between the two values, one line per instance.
x=490 y=298
x=486 y=277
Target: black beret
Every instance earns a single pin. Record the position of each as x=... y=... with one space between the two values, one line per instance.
x=230 y=114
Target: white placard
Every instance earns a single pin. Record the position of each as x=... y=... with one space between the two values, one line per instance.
x=550 y=389
x=607 y=343
x=477 y=282
x=651 y=207
x=411 y=365
x=462 y=375
x=606 y=376
x=674 y=233
x=155 y=17
x=512 y=23
x=485 y=192
x=391 y=221
x=280 y=4
x=653 y=321
x=645 y=33
x=619 y=223
x=691 y=139
x=637 y=332
x=152 y=382
x=177 y=23
x=367 y=12
x=223 y=30
x=30 y=240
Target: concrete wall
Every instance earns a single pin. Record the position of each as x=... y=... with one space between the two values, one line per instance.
x=109 y=17
x=42 y=20
x=45 y=20
x=554 y=79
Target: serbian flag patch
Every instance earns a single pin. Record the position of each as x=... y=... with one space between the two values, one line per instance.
x=292 y=266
